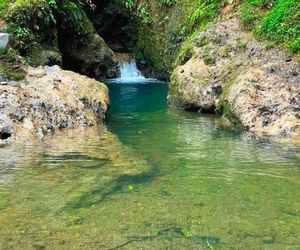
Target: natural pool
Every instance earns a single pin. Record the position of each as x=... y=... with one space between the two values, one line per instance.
x=153 y=178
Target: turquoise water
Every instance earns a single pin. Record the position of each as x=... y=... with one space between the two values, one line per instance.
x=152 y=178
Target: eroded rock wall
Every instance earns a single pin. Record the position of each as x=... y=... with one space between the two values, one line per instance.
x=231 y=73
x=50 y=99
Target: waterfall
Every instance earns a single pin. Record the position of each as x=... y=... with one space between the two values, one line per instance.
x=129 y=73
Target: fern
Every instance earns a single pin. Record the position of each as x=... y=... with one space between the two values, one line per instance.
x=73 y=12
x=206 y=10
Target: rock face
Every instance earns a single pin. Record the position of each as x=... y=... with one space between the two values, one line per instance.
x=4 y=41
x=50 y=99
x=95 y=59
x=50 y=58
x=231 y=73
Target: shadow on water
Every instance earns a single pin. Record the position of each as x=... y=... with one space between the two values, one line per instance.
x=102 y=194
x=172 y=233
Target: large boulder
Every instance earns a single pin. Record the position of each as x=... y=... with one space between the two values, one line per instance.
x=231 y=73
x=94 y=59
x=194 y=87
x=265 y=103
x=50 y=99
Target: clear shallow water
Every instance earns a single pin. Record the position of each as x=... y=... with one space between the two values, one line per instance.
x=152 y=179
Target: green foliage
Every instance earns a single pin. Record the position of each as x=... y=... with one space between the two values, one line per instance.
x=130 y=8
x=130 y=4
x=143 y=13
x=35 y=22
x=282 y=24
x=21 y=32
x=75 y=17
x=15 y=75
x=294 y=46
x=73 y=12
x=26 y=19
x=275 y=20
x=206 y=11
x=226 y=51
x=119 y=7
x=3 y=6
x=161 y=35
x=184 y=55
x=254 y=10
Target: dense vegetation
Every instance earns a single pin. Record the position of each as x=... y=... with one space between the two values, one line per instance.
x=154 y=29
x=276 y=20
x=167 y=26
x=37 y=24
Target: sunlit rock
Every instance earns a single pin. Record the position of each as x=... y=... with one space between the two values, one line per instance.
x=51 y=99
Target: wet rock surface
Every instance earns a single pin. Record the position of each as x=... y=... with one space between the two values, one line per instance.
x=150 y=72
x=50 y=99
x=232 y=73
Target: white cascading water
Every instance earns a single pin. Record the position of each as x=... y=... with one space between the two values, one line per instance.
x=129 y=73
x=129 y=70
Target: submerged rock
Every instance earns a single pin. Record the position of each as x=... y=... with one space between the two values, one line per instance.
x=232 y=73
x=50 y=99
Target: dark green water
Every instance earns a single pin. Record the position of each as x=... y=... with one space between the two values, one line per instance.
x=153 y=178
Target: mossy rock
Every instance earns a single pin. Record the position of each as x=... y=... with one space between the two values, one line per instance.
x=11 y=65
x=201 y=41
x=208 y=58
x=94 y=59
x=184 y=55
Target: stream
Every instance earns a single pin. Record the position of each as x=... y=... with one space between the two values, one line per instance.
x=151 y=178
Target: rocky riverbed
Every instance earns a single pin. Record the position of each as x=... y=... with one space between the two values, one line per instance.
x=247 y=81
x=47 y=100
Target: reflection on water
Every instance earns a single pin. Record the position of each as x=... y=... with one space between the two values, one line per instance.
x=156 y=179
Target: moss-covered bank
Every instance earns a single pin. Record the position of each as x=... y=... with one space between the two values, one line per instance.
x=55 y=32
x=241 y=78
x=167 y=27
x=158 y=31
